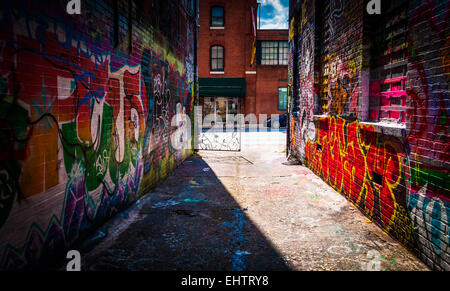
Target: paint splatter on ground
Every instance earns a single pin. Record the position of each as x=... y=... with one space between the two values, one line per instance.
x=236 y=217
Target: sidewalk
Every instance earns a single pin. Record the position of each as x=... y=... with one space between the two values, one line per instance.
x=244 y=211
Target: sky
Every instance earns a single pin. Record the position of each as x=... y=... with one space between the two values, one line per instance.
x=274 y=14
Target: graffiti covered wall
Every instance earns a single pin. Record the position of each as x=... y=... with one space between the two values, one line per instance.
x=369 y=111
x=87 y=106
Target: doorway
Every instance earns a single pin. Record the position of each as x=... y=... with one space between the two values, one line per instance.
x=220 y=130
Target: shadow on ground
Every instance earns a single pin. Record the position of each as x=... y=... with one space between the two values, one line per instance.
x=189 y=222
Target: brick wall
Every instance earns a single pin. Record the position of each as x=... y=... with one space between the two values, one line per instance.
x=369 y=107
x=86 y=109
x=235 y=37
x=269 y=78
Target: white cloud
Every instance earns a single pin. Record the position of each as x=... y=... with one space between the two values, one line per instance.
x=280 y=19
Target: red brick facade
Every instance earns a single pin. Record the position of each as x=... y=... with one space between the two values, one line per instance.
x=236 y=36
x=270 y=77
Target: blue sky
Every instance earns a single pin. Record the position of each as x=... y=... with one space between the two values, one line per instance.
x=274 y=14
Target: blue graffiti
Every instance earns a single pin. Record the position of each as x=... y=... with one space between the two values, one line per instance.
x=238 y=256
x=430 y=218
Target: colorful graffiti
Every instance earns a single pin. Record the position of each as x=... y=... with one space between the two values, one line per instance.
x=306 y=62
x=343 y=82
x=366 y=167
x=428 y=126
x=81 y=124
x=398 y=174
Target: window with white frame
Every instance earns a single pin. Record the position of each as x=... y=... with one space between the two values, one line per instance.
x=273 y=53
x=217 y=58
x=217 y=16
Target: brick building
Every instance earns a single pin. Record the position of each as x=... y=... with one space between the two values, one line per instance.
x=368 y=112
x=229 y=83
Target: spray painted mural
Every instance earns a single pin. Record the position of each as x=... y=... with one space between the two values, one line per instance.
x=393 y=163
x=428 y=129
x=85 y=127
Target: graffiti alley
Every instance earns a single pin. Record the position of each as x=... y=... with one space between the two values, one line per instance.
x=224 y=135
x=243 y=211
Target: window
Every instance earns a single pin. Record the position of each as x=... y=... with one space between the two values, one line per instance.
x=217 y=58
x=389 y=66
x=274 y=53
x=282 y=98
x=217 y=16
x=283 y=52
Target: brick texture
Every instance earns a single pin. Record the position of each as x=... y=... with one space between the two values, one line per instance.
x=87 y=106
x=237 y=39
x=369 y=111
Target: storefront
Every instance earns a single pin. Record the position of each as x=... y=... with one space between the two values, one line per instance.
x=221 y=98
x=220 y=107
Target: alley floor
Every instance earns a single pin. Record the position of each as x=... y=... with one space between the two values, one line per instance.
x=244 y=211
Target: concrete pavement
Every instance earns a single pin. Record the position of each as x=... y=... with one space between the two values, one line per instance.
x=244 y=211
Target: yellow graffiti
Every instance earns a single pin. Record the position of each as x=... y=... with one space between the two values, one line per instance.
x=291 y=29
x=355 y=182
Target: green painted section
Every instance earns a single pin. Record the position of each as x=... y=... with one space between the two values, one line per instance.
x=429 y=176
x=222 y=87
x=97 y=162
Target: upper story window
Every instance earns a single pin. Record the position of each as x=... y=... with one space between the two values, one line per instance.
x=217 y=58
x=273 y=52
x=217 y=16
